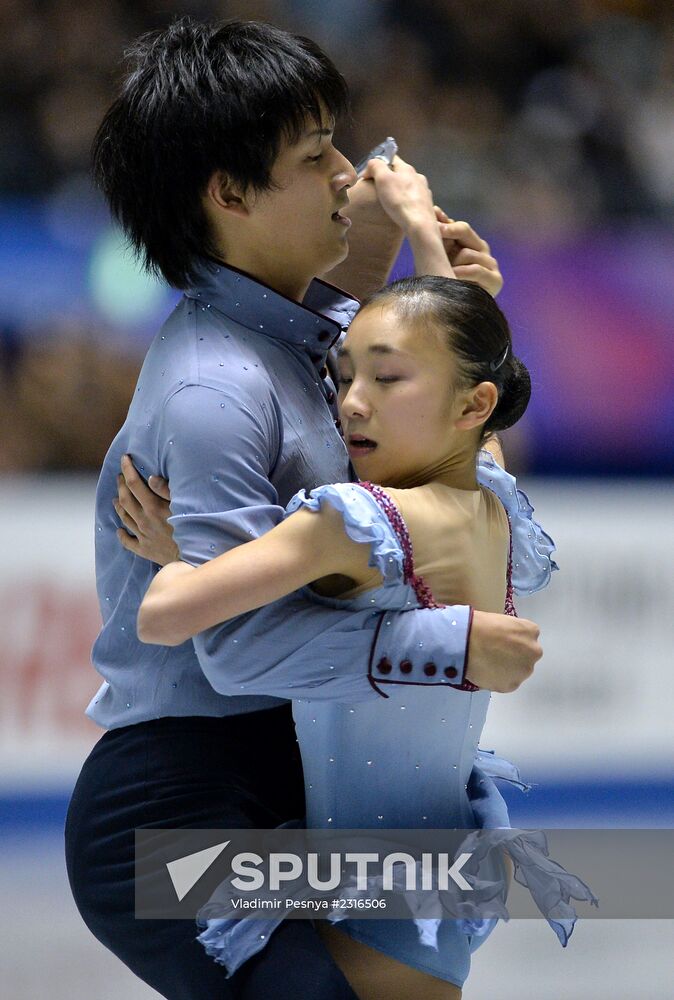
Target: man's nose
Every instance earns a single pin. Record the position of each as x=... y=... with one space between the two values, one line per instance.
x=346 y=176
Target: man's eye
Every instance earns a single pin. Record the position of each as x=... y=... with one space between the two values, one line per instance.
x=315 y=159
x=345 y=380
x=387 y=379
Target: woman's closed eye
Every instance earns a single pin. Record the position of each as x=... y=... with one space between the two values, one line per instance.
x=384 y=379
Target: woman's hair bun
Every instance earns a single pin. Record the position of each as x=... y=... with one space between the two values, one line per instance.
x=513 y=398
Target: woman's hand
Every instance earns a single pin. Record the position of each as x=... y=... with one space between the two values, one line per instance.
x=406 y=197
x=144 y=511
x=440 y=245
x=469 y=254
x=403 y=193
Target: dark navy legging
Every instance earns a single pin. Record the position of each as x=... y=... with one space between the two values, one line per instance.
x=237 y=772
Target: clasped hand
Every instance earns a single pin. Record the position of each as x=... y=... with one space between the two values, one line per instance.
x=405 y=196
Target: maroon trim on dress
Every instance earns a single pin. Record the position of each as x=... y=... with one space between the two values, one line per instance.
x=418 y=584
x=510 y=608
x=421 y=588
x=395 y=518
x=370 y=676
x=465 y=658
x=465 y=684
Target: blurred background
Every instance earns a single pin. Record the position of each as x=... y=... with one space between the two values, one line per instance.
x=549 y=127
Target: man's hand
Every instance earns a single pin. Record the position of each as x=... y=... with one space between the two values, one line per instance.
x=469 y=254
x=502 y=651
x=144 y=511
x=374 y=243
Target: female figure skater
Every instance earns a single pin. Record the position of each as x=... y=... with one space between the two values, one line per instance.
x=427 y=373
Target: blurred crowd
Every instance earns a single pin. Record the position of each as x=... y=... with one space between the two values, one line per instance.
x=530 y=117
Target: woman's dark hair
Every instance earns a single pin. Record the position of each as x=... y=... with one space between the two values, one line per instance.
x=200 y=98
x=478 y=334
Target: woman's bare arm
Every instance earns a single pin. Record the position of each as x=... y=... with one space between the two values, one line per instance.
x=183 y=600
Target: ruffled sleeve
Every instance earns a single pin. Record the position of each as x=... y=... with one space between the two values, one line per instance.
x=533 y=564
x=364 y=521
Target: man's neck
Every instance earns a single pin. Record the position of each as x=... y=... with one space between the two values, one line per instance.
x=292 y=286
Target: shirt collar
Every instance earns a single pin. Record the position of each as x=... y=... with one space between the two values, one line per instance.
x=313 y=326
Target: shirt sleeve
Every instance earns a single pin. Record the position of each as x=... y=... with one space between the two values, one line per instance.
x=218 y=451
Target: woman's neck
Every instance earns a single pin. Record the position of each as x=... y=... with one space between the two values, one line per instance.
x=457 y=470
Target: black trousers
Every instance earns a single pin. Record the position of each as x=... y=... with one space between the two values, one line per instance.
x=239 y=772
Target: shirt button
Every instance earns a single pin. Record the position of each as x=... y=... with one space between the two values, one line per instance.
x=430 y=669
x=384 y=666
x=330 y=396
x=451 y=671
x=406 y=667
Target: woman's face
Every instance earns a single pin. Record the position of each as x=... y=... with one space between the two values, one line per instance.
x=397 y=403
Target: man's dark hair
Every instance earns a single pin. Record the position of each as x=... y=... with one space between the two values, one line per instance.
x=200 y=98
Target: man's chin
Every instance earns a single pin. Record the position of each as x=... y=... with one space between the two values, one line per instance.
x=344 y=245
x=336 y=259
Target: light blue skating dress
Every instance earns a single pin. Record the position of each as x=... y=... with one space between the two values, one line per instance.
x=409 y=760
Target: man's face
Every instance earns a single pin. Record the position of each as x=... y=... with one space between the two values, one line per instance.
x=294 y=231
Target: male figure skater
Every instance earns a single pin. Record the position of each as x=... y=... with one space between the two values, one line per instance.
x=217 y=160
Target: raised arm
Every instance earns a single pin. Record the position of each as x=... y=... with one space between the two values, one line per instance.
x=440 y=245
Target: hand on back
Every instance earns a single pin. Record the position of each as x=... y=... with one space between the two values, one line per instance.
x=144 y=512
x=502 y=651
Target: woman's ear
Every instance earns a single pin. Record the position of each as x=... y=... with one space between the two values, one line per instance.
x=479 y=404
x=223 y=195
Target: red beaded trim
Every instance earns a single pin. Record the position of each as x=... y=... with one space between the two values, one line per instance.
x=395 y=518
x=418 y=584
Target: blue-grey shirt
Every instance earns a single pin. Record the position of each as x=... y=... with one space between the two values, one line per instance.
x=234 y=406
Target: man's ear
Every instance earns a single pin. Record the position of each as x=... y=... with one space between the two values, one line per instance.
x=224 y=195
x=478 y=407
